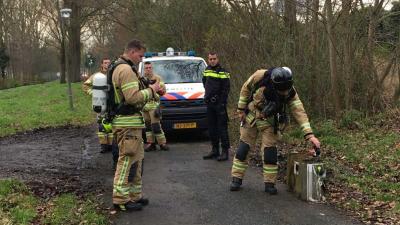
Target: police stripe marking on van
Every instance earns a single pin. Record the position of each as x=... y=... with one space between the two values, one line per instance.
x=182 y=95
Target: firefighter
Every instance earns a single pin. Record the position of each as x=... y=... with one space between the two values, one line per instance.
x=152 y=113
x=104 y=132
x=130 y=94
x=216 y=84
x=264 y=99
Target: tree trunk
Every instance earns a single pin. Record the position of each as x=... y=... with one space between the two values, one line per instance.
x=376 y=88
x=290 y=15
x=290 y=23
x=332 y=58
x=74 y=46
x=348 y=60
x=396 y=96
x=63 y=27
x=1 y=24
x=63 y=65
x=315 y=96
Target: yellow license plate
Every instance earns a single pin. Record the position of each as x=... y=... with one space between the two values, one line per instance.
x=185 y=125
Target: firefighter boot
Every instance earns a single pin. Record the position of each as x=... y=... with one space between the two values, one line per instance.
x=213 y=154
x=271 y=189
x=224 y=155
x=164 y=147
x=104 y=148
x=150 y=147
x=236 y=183
x=143 y=201
x=129 y=206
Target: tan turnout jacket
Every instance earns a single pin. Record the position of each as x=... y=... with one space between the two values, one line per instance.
x=129 y=88
x=255 y=117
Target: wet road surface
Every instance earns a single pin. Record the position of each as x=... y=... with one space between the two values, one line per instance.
x=185 y=189
x=182 y=187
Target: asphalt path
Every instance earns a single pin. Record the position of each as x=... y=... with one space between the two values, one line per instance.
x=185 y=189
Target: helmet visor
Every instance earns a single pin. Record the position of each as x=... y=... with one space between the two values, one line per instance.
x=284 y=85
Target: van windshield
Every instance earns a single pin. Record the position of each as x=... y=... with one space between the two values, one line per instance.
x=179 y=71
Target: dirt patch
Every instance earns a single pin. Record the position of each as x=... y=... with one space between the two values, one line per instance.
x=56 y=160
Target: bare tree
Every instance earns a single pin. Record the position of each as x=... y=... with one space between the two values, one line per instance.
x=315 y=96
x=290 y=23
x=332 y=57
x=21 y=30
x=348 y=59
x=57 y=36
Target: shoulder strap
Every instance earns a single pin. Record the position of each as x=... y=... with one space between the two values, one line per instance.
x=261 y=83
x=111 y=104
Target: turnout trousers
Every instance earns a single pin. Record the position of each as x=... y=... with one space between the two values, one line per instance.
x=248 y=137
x=105 y=138
x=128 y=174
x=154 y=131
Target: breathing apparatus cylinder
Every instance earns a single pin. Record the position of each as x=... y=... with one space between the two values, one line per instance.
x=99 y=94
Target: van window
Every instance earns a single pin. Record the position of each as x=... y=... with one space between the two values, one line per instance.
x=179 y=71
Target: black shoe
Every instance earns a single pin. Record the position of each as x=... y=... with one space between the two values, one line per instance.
x=129 y=206
x=104 y=148
x=150 y=147
x=224 y=155
x=164 y=147
x=236 y=183
x=143 y=201
x=213 y=154
x=271 y=189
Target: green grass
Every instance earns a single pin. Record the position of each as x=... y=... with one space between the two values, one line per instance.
x=19 y=206
x=67 y=209
x=42 y=105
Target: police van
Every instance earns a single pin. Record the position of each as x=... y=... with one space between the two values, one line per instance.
x=182 y=105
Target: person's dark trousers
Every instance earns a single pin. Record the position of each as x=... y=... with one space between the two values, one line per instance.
x=218 y=126
x=115 y=152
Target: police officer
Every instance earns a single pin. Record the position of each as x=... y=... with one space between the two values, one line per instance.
x=152 y=113
x=216 y=85
x=130 y=94
x=264 y=100
x=105 y=135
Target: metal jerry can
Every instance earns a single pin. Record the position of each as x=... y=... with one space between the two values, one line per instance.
x=306 y=178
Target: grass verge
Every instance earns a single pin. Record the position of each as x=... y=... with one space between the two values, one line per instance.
x=42 y=105
x=19 y=206
x=363 y=156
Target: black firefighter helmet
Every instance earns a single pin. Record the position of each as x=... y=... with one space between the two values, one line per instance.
x=282 y=78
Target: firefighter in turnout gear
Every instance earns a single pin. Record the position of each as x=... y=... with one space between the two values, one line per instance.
x=216 y=85
x=152 y=113
x=264 y=99
x=105 y=132
x=130 y=94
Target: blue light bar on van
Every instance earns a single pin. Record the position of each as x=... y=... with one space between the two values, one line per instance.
x=150 y=54
x=191 y=53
